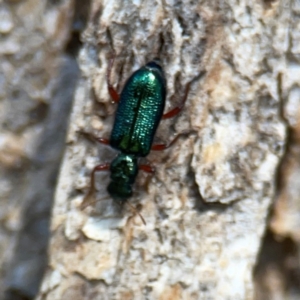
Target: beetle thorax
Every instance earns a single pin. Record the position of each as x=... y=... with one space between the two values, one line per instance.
x=124 y=169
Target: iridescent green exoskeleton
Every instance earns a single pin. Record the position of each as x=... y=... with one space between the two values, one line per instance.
x=139 y=112
x=140 y=109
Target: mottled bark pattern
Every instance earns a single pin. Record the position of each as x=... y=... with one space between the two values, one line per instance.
x=33 y=36
x=207 y=204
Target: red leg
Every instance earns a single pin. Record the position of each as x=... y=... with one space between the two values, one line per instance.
x=102 y=167
x=102 y=141
x=147 y=168
x=178 y=108
x=93 y=138
x=159 y=147
x=112 y=91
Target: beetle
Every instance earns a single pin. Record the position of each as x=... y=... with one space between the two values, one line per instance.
x=140 y=109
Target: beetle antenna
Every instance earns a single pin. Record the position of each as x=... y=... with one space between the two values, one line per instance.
x=136 y=212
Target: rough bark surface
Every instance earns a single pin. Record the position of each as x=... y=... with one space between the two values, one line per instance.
x=207 y=205
x=33 y=35
x=278 y=267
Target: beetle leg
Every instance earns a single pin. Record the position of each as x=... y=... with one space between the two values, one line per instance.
x=102 y=167
x=102 y=141
x=175 y=111
x=136 y=212
x=159 y=147
x=147 y=168
x=112 y=91
x=93 y=138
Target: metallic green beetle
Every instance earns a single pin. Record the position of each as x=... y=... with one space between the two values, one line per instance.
x=140 y=109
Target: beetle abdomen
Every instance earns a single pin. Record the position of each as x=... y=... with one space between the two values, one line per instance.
x=139 y=111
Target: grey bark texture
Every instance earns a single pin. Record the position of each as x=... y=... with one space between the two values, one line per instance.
x=206 y=206
x=277 y=272
x=33 y=35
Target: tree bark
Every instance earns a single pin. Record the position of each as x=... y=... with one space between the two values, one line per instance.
x=278 y=266
x=34 y=34
x=206 y=206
